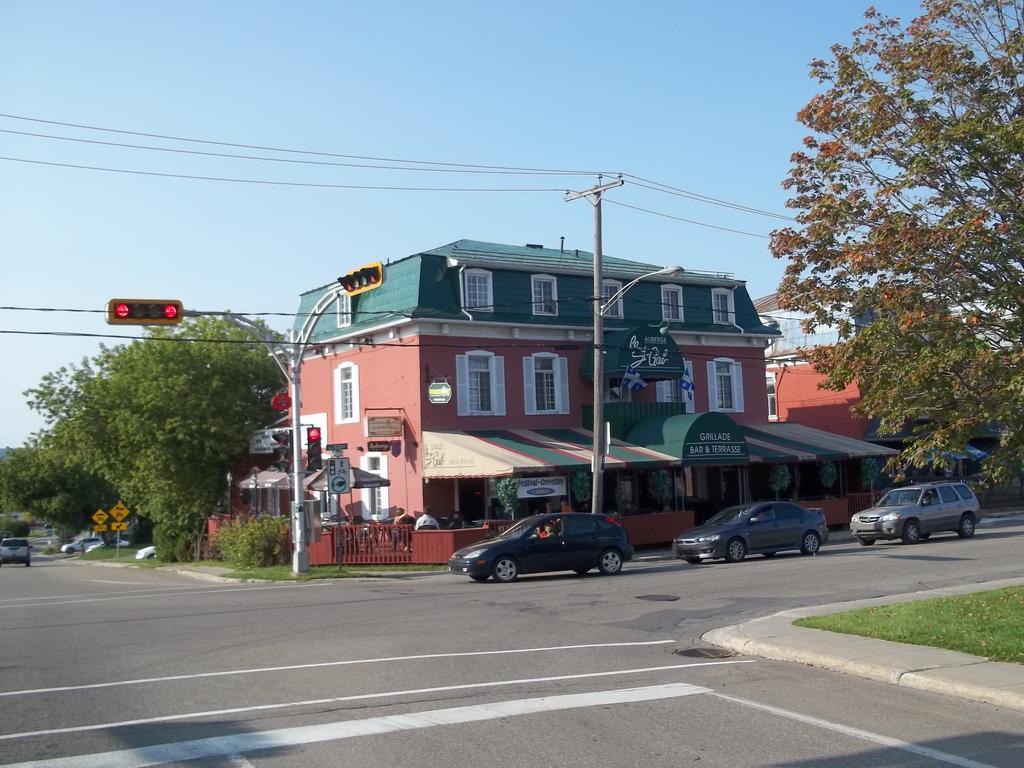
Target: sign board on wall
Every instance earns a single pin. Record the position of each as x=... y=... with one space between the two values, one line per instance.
x=534 y=487
x=383 y=426
x=439 y=392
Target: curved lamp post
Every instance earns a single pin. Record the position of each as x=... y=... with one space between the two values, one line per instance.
x=601 y=306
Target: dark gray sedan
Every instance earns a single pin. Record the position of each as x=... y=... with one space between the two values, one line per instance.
x=758 y=528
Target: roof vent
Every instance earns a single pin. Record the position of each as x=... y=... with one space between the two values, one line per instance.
x=534 y=245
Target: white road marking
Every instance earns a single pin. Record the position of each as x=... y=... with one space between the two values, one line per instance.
x=858 y=733
x=360 y=697
x=111 y=581
x=316 y=665
x=188 y=593
x=239 y=744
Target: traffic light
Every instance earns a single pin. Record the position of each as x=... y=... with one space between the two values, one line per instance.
x=363 y=279
x=283 y=451
x=144 y=312
x=314 y=459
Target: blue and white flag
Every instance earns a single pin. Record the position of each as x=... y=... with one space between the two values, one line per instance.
x=632 y=381
x=686 y=384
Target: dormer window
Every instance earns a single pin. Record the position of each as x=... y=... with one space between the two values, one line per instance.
x=723 y=311
x=545 y=294
x=608 y=289
x=343 y=310
x=479 y=293
x=672 y=303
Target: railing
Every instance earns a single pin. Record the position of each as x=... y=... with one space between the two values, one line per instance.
x=374 y=543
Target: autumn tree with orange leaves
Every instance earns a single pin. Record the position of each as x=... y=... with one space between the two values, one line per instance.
x=909 y=195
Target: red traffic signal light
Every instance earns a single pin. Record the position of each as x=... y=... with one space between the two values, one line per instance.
x=144 y=312
x=314 y=457
x=313 y=433
x=363 y=279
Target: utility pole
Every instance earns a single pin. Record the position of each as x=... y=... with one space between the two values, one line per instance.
x=597 y=489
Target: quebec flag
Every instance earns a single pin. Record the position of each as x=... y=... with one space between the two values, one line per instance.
x=632 y=381
x=686 y=384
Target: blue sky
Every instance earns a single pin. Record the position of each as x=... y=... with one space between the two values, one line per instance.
x=699 y=96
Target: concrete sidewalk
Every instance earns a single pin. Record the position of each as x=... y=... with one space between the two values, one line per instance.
x=913 y=666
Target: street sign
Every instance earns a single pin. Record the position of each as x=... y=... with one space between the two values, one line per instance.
x=262 y=440
x=119 y=526
x=336 y=447
x=383 y=426
x=338 y=475
x=99 y=517
x=119 y=512
x=378 y=446
x=99 y=528
x=439 y=392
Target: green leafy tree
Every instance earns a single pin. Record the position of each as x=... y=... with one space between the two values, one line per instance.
x=508 y=493
x=827 y=474
x=779 y=479
x=162 y=418
x=910 y=207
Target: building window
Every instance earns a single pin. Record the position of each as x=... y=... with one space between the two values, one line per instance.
x=343 y=310
x=722 y=309
x=375 y=500
x=608 y=289
x=725 y=385
x=678 y=390
x=672 y=303
x=546 y=384
x=346 y=393
x=481 y=384
x=478 y=290
x=545 y=295
x=773 y=406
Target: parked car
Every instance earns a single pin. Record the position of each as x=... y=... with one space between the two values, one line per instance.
x=915 y=512
x=757 y=528
x=15 y=551
x=146 y=553
x=103 y=544
x=76 y=546
x=552 y=542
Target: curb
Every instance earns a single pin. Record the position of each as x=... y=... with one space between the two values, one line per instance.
x=923 y=668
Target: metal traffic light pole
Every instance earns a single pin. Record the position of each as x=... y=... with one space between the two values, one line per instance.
x=291 y=367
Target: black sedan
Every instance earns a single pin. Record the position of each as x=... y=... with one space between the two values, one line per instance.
x=553 y=542
x=763 y=527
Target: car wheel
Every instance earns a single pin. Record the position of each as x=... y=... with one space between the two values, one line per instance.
x=966 y=528
x=735 y=550
x=693 y=560
x=811 y=543
x=911 y=532
x=479 y=578
x=865 y=542
x=581 y=571
x=505 y=569
x=610 y=562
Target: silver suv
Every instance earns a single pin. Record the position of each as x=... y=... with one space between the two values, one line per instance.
x=916 y=512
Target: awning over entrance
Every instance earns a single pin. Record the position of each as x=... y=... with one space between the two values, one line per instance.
x=360 y=479
x=268 y=478
x=504 y=452
x=651 y=354
x=714 y=438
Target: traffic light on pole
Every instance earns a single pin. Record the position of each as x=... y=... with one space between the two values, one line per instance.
x=144 y=312
x=283 y=451
x=363 y=279
x=314 y=459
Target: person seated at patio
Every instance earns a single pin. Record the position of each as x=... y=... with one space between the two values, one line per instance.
x=405 y=518
x=427 y=521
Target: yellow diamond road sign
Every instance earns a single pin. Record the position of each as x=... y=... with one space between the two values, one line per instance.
x=99 y=517
x=119 y=511
x=99 y=528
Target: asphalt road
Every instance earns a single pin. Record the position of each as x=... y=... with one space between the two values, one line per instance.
x=106 y=667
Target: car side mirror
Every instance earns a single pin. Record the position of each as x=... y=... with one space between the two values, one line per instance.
x=753 y=520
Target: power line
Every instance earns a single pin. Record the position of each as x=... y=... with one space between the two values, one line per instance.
x=670 y=190
x=281 y=183
x=292 y=160
x=680 y=218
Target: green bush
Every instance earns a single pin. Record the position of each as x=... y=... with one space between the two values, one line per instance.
x=174 y=545
x=254 y=543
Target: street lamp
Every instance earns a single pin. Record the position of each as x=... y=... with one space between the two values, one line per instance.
x=601 y=305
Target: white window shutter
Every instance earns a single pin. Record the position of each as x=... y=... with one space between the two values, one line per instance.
x=462 y=384
x=661 y=387
x=562 y=385
x=498 y=387
x=712 y=387
x=737 y=387
x=337 y=395
x=355 y=394
x=691 y=402
x=529 y=387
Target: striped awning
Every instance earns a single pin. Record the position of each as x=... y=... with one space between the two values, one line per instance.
x=504 y=452
x=787 y=442
x=268 y=478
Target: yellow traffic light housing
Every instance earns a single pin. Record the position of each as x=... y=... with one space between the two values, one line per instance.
x=144 y=311
x=363 y=279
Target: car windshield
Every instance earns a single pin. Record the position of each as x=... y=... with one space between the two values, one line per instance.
x=900 y=498
x=730 y=515
x=517 y=530
x=14 y=543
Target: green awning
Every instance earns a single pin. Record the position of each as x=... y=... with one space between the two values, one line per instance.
x=697 y=438
x=652 y=354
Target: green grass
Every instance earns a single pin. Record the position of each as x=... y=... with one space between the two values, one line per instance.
x=989 y=624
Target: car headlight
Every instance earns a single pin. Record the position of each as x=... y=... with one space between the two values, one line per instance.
x=890 y=516
x=705 y=539
x=472 y=554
